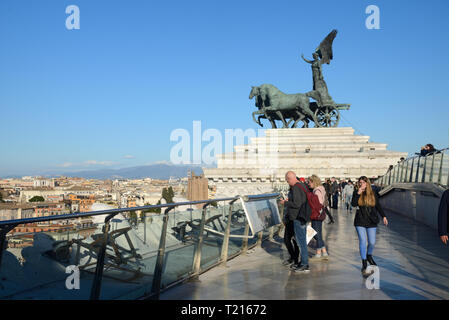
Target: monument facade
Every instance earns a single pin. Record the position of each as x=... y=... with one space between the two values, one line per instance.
x=260 y=166
x=324 y=150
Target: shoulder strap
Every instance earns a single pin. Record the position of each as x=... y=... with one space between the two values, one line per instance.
x=299 y=185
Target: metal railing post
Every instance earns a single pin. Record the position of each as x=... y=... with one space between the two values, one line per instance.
x=3 y=242
x=259 y=239
x=156 y=286
x=431 y=168
x=196 y=267
x=417 y=170
x=424 y=170
x=271 y=234
x=144 y=228
x=406 y=171
x=225 y=246
x=411 y=170
x=96 y=284
x=245 y=239
x=440 y=173
x=402 y=171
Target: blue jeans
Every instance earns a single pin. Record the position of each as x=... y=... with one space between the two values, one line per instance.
x=362 y=232
x=318 y=227
x=348 y=201
x=301 y=240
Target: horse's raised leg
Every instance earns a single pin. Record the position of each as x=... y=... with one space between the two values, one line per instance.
x=282 y=119
x=254 y=117
x=273 y=123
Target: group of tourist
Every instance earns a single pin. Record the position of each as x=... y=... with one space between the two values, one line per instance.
x=342 y=190
x=301 y=208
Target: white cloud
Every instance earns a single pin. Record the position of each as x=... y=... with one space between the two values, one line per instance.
x=129 y=157
x=158 y=162
x=66 y=165
x=96 y=163
x=87 y=163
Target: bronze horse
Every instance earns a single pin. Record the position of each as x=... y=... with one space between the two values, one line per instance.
x=273 y=105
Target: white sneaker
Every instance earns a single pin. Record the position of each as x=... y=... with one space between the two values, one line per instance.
x=325 y=256
x=316 y=257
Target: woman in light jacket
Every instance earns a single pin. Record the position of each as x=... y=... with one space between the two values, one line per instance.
x=366 y=219
x=317 y=225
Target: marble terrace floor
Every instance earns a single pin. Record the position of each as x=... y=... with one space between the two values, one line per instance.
x=413 y=265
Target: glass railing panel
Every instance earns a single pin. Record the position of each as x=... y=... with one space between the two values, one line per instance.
x=182 y=236
x=37 y=256
x=445 y=170
x=436 y=167
x=131 y=253
x=427 y=168
x=212 y=242
x=238 y=222
x=414 y=170
x=409 y=173
x=43 y=260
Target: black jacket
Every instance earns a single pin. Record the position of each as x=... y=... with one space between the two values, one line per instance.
x=443 y=212
x=367 y=216
x=327 y=188
x=297 y=207
x=333 y=187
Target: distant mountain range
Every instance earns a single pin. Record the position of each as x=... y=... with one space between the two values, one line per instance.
x=154 y=171
x=161 y=171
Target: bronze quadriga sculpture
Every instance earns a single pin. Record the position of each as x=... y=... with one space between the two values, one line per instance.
x=292 y=109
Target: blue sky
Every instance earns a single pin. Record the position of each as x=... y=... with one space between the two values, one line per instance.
x=110 y=93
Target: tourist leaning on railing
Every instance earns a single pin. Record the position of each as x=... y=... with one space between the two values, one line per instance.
x=366 y=219
x=427 y=149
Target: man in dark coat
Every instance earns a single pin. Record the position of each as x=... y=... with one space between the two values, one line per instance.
x=297 y=209
x=334 y=193
x=443 y=219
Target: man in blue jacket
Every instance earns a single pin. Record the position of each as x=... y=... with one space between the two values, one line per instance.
x=443 y=213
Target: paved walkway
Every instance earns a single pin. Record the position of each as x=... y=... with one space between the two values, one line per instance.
x=413 y=264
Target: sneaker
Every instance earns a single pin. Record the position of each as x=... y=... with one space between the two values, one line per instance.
x=287 y=262
x=294 y=266
x=316 y=257
x=325 y=256
x=301 y=268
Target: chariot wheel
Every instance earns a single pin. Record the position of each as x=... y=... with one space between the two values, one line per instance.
x=327 y=116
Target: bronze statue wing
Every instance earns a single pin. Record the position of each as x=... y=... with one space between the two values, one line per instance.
x=324 y=50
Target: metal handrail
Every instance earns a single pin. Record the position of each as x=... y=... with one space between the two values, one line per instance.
x=8 y=225
x=415 y=173
x=120 y=210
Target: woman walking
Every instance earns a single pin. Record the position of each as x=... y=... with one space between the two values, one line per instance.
x=317 y=225
x=366 y=220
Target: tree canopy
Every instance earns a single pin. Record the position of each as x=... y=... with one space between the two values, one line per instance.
x=37 y=199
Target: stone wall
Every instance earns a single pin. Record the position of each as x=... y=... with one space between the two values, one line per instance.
x=326 y=152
